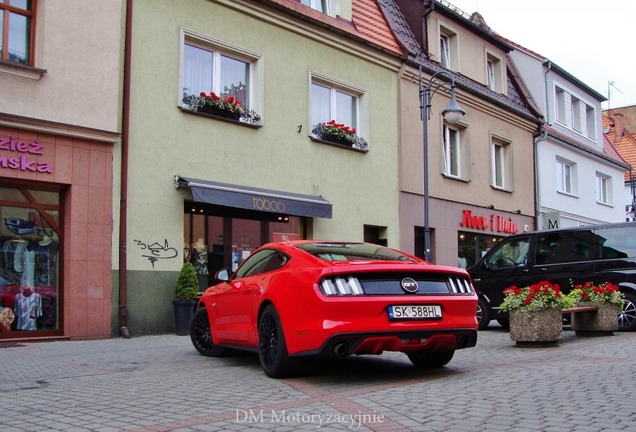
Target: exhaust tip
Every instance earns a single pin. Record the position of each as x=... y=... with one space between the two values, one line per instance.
x=340 y=349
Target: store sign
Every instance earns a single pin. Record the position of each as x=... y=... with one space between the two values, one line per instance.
x=493 y=223
x=20 y=155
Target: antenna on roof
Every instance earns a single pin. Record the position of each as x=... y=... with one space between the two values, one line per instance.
x=610 y=84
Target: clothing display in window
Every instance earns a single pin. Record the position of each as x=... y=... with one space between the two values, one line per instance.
x=28 y=307
x=200 y=257
x=46 y=261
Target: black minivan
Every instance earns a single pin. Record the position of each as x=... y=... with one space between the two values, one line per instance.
x=566 y=256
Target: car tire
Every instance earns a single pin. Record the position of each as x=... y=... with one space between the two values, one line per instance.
x=504 y=322
x=627 y=317
x=201 y=335
x=430 y=359
x=272 y=349
x=483 y=314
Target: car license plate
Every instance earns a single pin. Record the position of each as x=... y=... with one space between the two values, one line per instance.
x=415 y=311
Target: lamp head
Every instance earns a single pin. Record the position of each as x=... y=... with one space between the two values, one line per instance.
x=453 y=112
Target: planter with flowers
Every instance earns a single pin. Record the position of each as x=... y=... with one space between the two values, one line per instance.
x=339 y=133
x=607 y=298
x=535 y=313
x=228 y=107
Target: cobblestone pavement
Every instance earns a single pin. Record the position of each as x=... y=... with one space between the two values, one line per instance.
x=160 y=383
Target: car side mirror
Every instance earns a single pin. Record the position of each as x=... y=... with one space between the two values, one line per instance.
x=223 y=275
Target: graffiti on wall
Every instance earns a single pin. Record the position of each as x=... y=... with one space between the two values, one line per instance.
x=156 y=251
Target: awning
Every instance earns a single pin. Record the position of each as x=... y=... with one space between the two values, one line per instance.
x=251 y=198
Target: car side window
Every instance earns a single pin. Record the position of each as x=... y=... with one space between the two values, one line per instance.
x=261 y=262
x=510 y=253
x=565 y=247
x=616 y=243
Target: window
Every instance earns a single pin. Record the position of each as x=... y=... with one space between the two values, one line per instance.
x=565 y=247
x=501 y=164
x=342 y=103
x=576 y=114
x=602 y=189
x=490 y=72
x=209 y=66
x=444 y=50
x=448 y=48
x=17 y=30
x=510 y=253
x=30 y=241
x=560 y=105
x=590 y=121
x=494 y=73
x=565 y=172
x=323 y=6
x=452 y=152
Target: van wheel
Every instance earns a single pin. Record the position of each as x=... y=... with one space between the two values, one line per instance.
x=504 y=322
x=483 y=314
x=627 y=317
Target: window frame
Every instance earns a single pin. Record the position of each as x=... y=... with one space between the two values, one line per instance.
x=30 y=16
x=566 y=178
x=450 y=55
x=359 y=94
x=603 y=189
x=219 y=48
x=501 y=169
x=451 y=139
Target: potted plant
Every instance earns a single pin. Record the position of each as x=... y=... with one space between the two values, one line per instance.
x=226 y=107
x=185 y=294
x=608 y=300
x=340 y=134
x=535 y=312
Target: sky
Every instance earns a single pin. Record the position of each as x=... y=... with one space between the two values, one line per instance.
x=593 y=41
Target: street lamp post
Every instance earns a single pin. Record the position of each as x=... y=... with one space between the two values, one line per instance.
x=452 y=114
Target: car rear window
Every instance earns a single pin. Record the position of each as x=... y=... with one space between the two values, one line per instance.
x=353 y=252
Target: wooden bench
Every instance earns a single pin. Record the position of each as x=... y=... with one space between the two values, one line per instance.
x=580 y=309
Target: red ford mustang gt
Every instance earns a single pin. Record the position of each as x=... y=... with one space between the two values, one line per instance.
x=296 y=299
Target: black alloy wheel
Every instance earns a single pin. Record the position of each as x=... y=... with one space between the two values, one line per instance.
x=272 y=349
x=201 y=335
x=483 y=314
x=627 y=317
x=430 y=359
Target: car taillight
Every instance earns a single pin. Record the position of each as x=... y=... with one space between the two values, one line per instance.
x=341 y=286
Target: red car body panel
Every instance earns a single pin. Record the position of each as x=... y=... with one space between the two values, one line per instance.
x=310 y=318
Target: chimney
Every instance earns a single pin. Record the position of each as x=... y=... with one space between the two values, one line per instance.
x=619 y=127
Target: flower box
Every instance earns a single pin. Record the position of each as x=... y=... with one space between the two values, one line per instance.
x=601 y=322
x=539 y=326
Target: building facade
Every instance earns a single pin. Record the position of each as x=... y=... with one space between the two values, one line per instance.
x=59 y=134
x=480 y=182
x=209 y=182
x=579 y=178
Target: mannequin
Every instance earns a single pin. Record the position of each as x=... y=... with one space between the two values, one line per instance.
x=28 y=307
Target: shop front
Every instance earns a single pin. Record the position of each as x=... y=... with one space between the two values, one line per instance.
x=55 y=232
x=224 y=223
x=461 y=233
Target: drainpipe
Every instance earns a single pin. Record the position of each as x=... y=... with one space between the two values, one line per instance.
x=123 y=203
x=538 y=137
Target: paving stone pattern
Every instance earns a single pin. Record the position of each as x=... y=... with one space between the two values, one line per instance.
x=160 y=383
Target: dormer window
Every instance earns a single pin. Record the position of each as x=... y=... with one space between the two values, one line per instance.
x=323 y=6
x=448 y=48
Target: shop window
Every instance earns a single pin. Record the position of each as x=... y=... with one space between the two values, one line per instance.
x=17 y=20
x=471 y=247
x=29 y=261
x=217 y=237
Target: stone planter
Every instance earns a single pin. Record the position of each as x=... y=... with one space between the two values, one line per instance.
x=542 y=326
x=602 y=322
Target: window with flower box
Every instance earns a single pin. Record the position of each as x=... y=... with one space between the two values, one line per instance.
x=219 y=79
x=17 y=30
x=338 y=113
